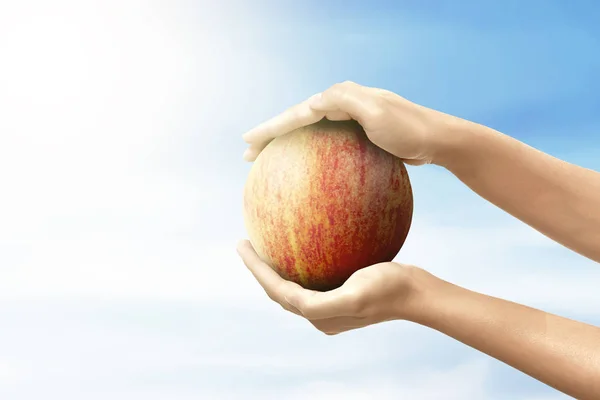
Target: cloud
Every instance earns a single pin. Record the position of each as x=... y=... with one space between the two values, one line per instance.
x=121 y=349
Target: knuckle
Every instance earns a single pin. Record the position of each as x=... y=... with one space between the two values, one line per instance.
x=337 y=90
x=348 y=86
x=302 y=111
x=342 y=88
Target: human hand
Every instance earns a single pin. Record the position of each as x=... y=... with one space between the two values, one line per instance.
x=414 y=133
x=381 y=292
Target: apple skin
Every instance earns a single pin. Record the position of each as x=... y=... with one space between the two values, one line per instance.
x=323 y=201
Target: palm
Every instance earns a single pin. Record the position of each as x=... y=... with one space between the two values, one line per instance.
x=377 y=285
x=371 y=295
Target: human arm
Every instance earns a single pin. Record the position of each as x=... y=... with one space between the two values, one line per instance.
x=559 y=352
x=559 y=199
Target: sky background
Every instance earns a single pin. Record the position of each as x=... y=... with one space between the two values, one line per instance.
x=121 y=178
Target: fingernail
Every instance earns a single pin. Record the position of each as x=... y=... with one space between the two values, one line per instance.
x=246 y=155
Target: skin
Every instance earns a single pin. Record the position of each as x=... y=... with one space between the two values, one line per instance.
x=558 y=199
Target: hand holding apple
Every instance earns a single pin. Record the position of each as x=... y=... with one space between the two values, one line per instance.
x=382 y=292
x=499 y=168
x=416 y=134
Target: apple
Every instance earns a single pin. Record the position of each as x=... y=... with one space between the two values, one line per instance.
x=323 y=201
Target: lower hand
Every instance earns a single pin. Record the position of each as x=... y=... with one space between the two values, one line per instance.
x=381 y=292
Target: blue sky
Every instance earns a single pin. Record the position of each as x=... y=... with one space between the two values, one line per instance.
x=121 y=180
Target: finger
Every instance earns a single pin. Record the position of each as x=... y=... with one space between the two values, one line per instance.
x=320 y=305
x=252 y=153
x=348 y=97
x=293 y=118
x=274 y=285
x=256 y=147
x=337 y=115
x=264 y=274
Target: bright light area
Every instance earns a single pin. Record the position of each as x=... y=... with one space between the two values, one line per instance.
x=98 y=175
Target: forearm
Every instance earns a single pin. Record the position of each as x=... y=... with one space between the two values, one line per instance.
x=562 y=353
x=559 y=199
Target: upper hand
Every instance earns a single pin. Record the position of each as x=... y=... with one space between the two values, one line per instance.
x=405 y=129
x=378 y=293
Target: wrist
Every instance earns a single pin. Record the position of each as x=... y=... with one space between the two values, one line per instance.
x=454 y=138
x=428 y=294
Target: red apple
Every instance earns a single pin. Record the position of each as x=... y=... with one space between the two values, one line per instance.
x=323 y=201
